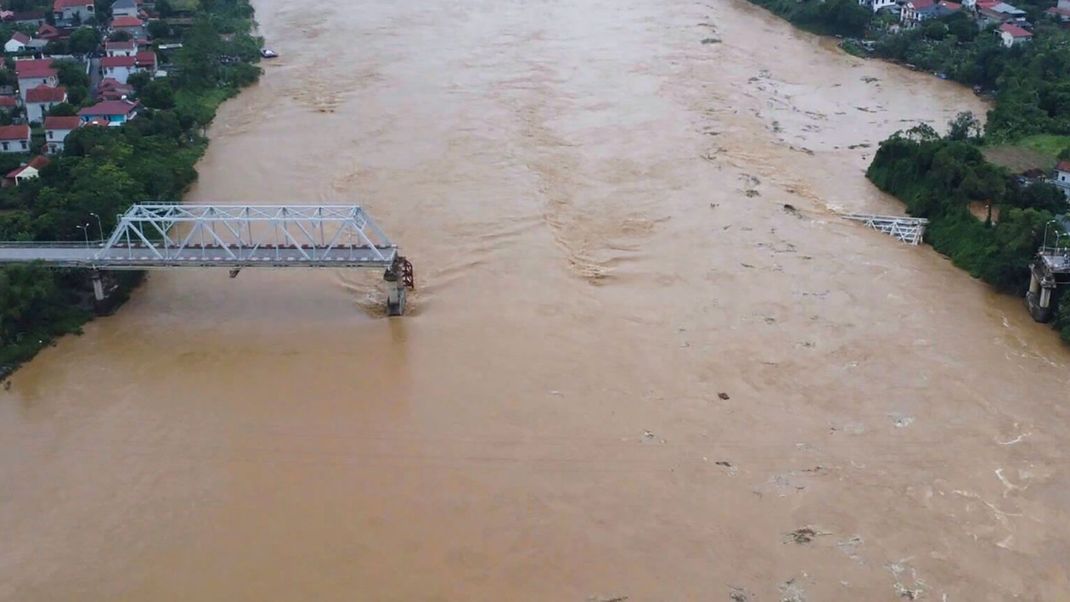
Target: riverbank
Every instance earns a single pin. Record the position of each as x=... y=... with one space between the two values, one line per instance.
x=103 y=170
x=938 y=178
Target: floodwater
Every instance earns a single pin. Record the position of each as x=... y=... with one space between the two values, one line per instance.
x=628 y=370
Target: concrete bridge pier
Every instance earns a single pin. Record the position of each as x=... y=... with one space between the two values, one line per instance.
x=1041 y=289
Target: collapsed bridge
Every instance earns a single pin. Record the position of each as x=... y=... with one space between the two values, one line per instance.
x=164 y=236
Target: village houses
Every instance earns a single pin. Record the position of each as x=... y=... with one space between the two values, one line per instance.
x=56 y=131
x=14 y=138
x=131 y=25
x=915 y=12
x=1011 y=34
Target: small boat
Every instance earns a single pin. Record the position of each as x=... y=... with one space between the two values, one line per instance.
x=268 y=54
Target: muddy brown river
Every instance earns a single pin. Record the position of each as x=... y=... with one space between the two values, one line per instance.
x=628 y=371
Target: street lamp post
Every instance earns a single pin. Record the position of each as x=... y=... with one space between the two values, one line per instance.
x=100 y=226
x=85 y=230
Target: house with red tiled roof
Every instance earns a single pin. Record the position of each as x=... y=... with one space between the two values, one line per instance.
x=146 y=61
x=124 y=48
x=17 y=43
x=131 y=25
x=33 y=73
x=56 y=131
x=33 y=18
x=118 y=68
x=26 y=171
x=73 y=12
x=8 y=103
x=14 y=138
x=41 y=99
x=112 y=89
x=915 y=12
x=1011 y=34
x=112 y=112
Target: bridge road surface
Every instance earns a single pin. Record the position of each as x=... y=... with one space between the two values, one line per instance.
x=120 y=258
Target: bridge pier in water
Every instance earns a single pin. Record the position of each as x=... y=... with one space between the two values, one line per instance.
x=1049 y=271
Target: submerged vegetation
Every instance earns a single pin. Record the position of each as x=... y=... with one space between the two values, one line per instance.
x=105 y=169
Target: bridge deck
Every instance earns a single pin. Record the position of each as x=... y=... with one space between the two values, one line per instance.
x=140 y=258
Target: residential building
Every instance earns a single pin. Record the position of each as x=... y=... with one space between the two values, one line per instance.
x=41 y=99
x=126 y=48
x=118 y=68
x=51 y=32
x=112 y=89
x=1011 y=34
x=14 y=138
x=8 y=103
x=113 y=112
x=56 y=131
x=131 y=25
x=145 y=60
x=1062 y=177
x=124 y=8
x=36 y=45
x=34 y=72
x=17 y=43
x=26 y=171
x=72 y=12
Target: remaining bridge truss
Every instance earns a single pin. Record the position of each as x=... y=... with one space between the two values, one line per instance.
x=910 y=230
x=235 y=237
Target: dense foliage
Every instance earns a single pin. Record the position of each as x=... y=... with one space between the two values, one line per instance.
x=103 y=170
x=839 y=17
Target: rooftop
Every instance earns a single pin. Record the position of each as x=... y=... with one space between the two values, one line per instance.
x=126 y=22
x=14 y=132
x=117 y=61
x=59 y=5
x=110 y=107
x=44 y=93
x=1015 y=31
x=62 y=123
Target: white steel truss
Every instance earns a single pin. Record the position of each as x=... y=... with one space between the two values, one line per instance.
x=167 y=235
x=910 y=230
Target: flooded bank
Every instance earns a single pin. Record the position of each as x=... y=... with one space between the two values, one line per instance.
x=628 y=370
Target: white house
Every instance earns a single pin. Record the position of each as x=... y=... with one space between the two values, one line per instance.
x=127 y=48
x=118 y=67
x=1012 y=34
x=17 y=43
x=41 y=99
x=71 y=12
x=34 y=73
x=1062 y=177
x=28 y=171
x=14 y=138
x=56 y=131
x=878 y=5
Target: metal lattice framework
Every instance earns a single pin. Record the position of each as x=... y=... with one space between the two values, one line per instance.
x=164 y=235
x=231 y=236
x=910 y=230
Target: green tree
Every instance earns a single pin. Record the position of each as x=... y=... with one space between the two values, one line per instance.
x=63 y=109
x=84 y=40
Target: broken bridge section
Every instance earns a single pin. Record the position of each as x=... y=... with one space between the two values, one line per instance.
x=154 y=236
x=910 y=230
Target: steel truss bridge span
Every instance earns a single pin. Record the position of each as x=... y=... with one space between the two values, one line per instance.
x=237 y=237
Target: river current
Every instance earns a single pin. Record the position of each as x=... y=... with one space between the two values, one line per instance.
x=645 y=358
